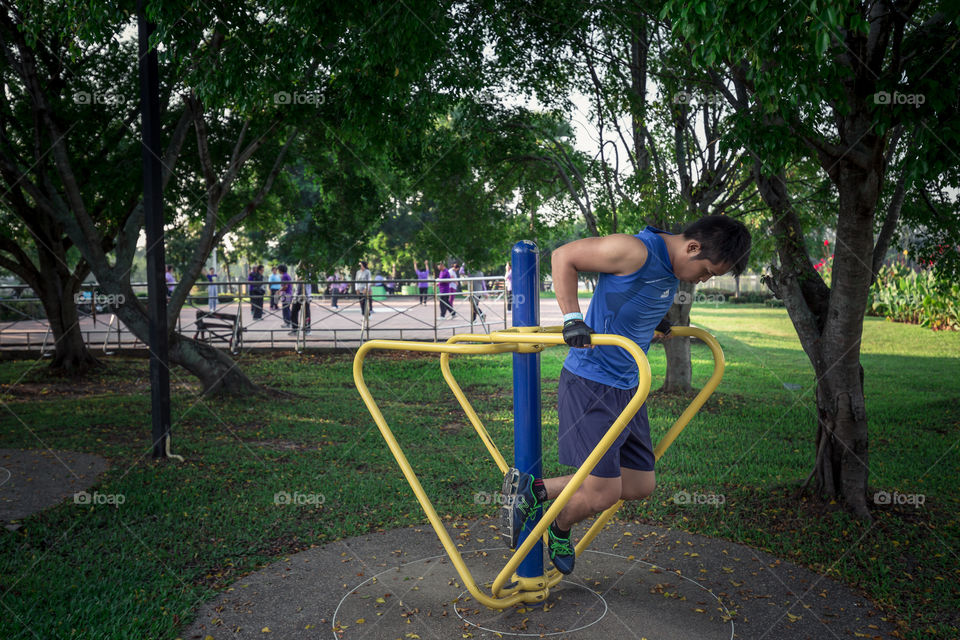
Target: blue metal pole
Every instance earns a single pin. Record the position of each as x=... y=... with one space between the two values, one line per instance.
x=527 y=450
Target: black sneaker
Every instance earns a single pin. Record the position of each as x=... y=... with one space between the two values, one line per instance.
x=519 y=504
x=561 y=552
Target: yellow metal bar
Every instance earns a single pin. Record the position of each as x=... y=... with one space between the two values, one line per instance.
x=705 y=392
x=408 y=473
x=529 y=339
x=605 y=443
x=467 y=407
x=678 y=426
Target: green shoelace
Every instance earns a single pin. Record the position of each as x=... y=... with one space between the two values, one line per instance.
x=560 y=546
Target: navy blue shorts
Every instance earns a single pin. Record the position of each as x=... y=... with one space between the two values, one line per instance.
x=587 y=409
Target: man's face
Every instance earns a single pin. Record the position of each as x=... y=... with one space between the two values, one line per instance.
x=689 y=268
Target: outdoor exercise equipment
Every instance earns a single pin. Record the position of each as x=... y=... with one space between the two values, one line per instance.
x=523 y=579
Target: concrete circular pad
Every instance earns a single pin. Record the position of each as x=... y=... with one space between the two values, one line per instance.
x=636 y=581
x=31 y=481
x=607 y=595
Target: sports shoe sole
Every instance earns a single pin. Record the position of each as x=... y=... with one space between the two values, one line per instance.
x=511 y=485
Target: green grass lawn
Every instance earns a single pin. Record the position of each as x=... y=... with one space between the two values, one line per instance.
x=187 y=530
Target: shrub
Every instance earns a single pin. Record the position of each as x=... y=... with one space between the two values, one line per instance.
x=752 y=297
x=12 y=309
x=904 y=295
x=714 y=291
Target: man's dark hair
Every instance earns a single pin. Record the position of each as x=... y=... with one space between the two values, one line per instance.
x=363 y=263
x=282 y=268
x=722 y=239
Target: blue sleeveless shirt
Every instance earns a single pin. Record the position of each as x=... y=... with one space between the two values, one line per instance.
x=630 y=306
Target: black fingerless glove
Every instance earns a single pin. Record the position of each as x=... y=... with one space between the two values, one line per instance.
x=664 y=327
x=576 y=333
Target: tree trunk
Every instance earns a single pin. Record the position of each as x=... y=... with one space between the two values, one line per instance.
x=842 y=463
x=57 y=287
x=679 y=370
x=217 y=372
x=842 y=415
x=829 y=323
x=70 y=356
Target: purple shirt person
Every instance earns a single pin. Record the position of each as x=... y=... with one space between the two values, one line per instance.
x=423 y=279
x=333 y=281
x=443 y=288
x=286 y=293
x=171 y=281
x=443 y=280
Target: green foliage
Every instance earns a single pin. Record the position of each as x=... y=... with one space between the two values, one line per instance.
x=752 y=297
x=12 y=310
x=918 y=297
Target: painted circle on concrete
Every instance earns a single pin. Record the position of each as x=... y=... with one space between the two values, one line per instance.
x=608 y=594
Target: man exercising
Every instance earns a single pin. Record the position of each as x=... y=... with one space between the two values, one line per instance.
x=636 y=286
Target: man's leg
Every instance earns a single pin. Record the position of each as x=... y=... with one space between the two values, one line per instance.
x=637 y=485
x=594 y=496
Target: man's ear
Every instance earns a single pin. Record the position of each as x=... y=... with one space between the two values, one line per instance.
x=693 y=247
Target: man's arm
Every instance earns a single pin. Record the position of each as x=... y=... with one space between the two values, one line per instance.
x=618 y=254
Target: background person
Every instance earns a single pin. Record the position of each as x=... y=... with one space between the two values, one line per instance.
x=274 y=289
x=211 y=290
x=286 y=293
x=256 y=292
x=423 y=279
x=479 y=288
x=301 y=303
x=443 y=291
x=333 y=284
x=171 y=280
x=508 y=285
x=362 y=286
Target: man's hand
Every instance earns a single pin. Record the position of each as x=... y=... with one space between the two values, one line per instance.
x=576 y=333
x=664 y=327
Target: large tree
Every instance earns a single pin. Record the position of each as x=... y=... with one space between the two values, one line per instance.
x=866 y=91
x=241 y=83
x=656 y=162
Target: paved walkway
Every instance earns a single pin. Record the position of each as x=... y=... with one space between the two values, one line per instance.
x=636 y=582
x=394 y=317
x=31 y=481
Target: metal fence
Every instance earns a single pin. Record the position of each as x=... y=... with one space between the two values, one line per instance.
x=308 y=316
